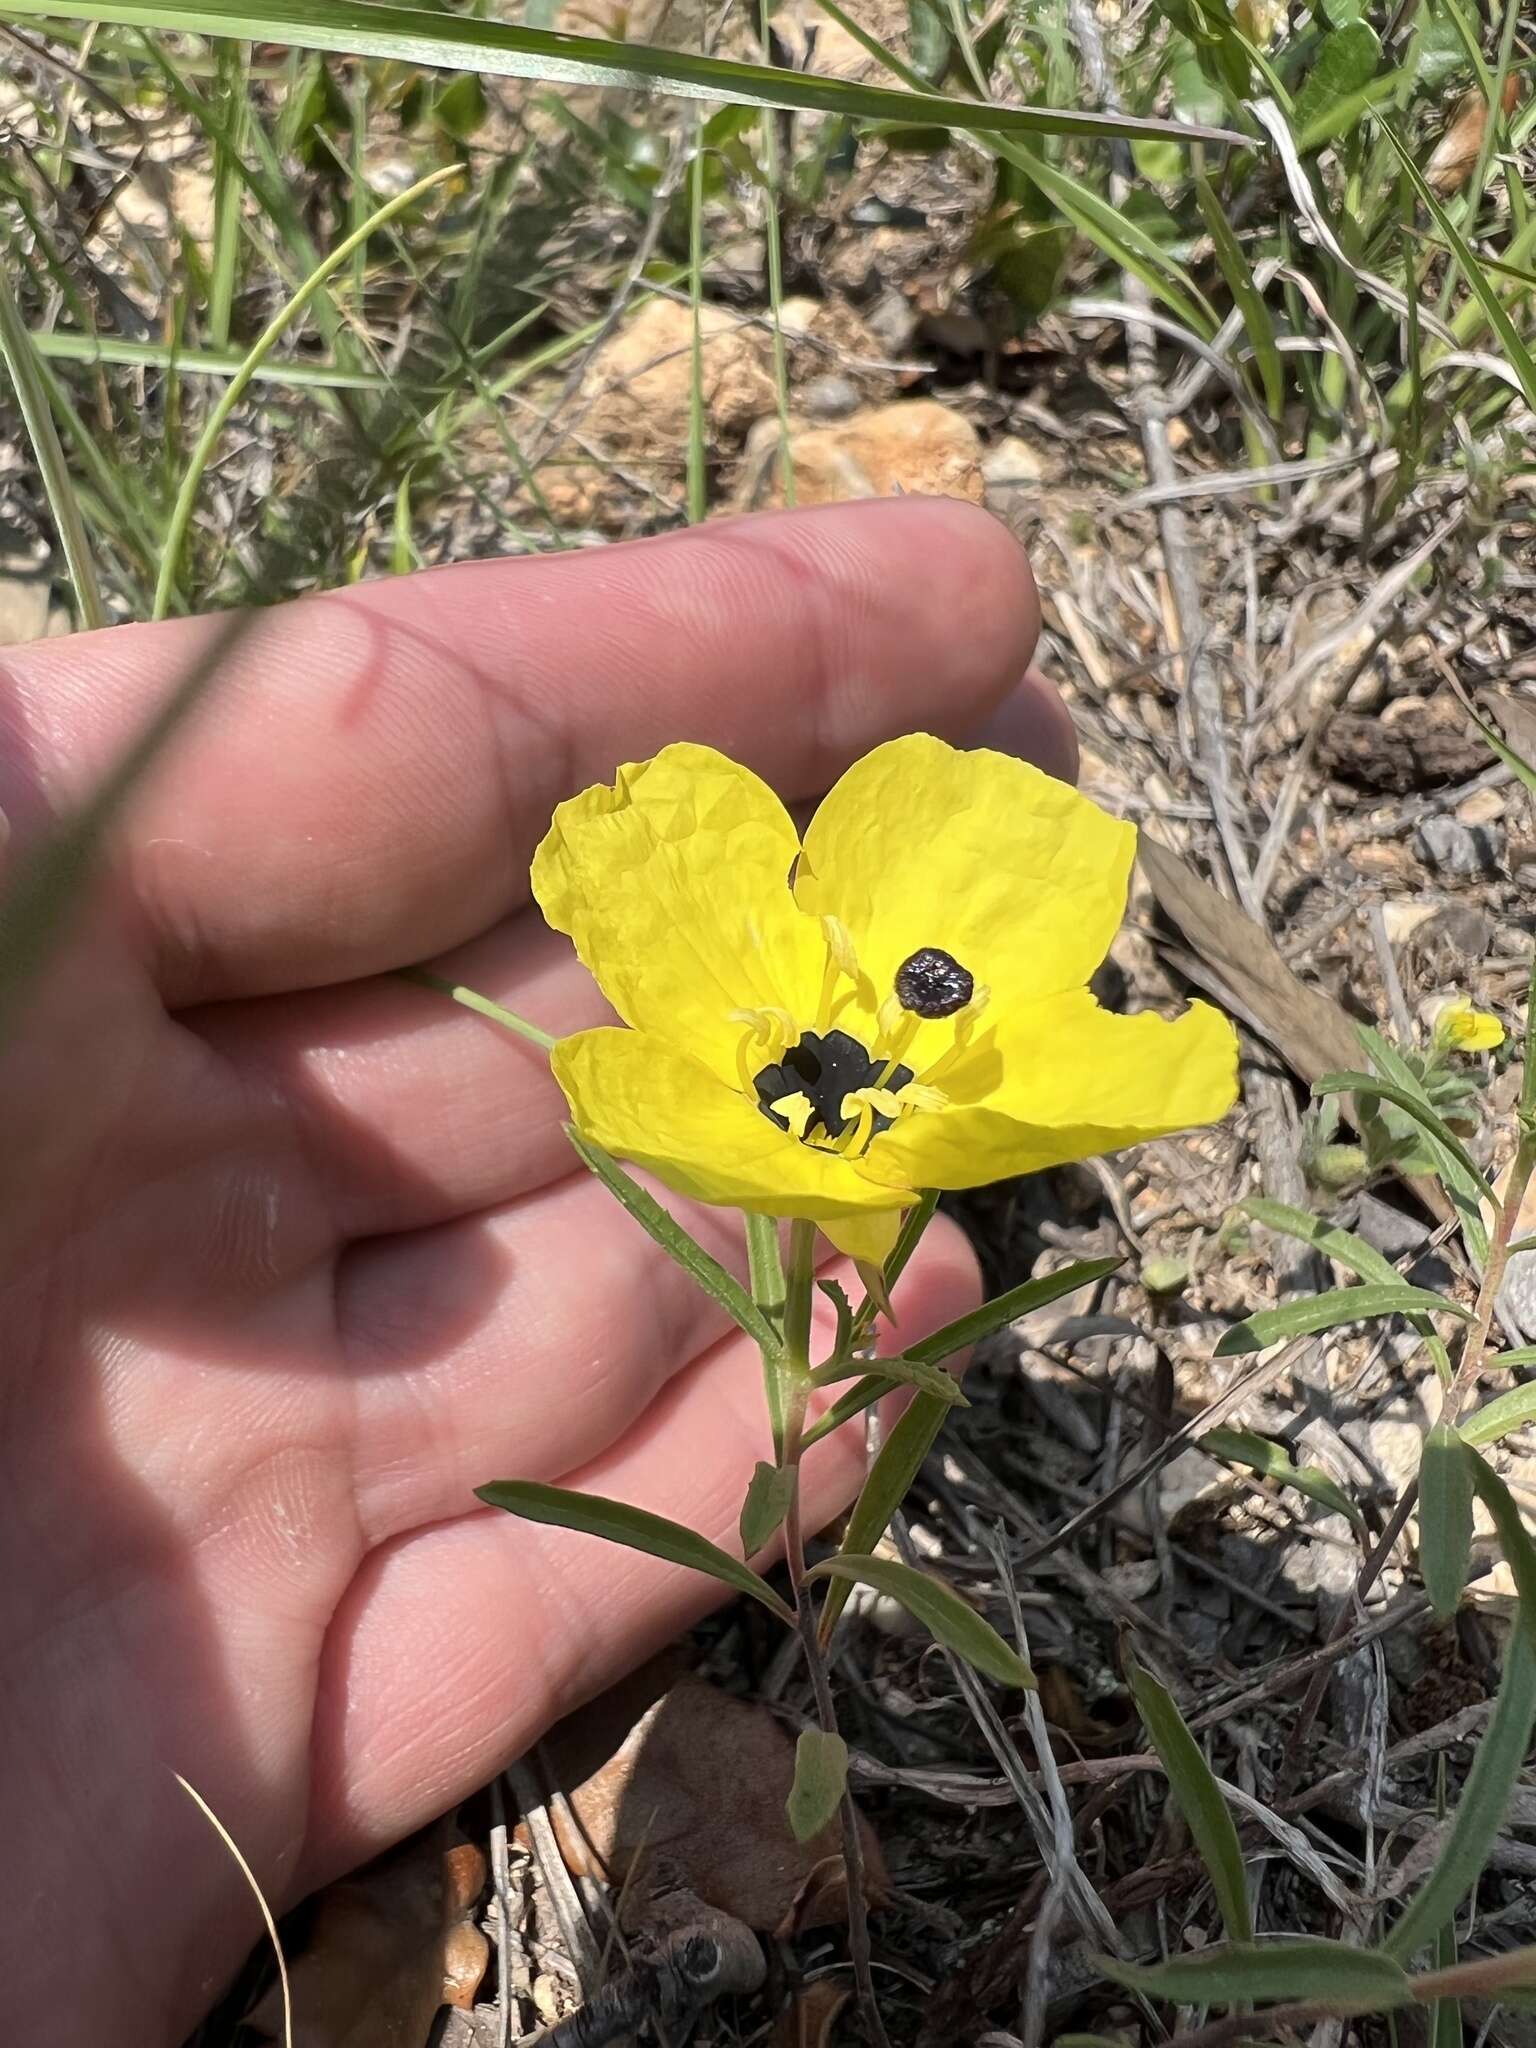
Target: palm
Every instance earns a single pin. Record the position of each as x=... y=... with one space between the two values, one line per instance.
x=293 y=1258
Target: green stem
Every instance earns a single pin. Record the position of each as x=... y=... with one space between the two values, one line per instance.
x=765 y=1272
x=508 y=1019
x=799 y=1296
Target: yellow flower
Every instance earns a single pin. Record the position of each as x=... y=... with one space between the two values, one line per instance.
x=1460 y=1028
x=900 y=1004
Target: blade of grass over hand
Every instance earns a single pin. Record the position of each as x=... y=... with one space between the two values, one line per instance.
x=420 y=36
x=181 y=512
x=38 y=897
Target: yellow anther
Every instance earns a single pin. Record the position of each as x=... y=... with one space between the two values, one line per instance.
x=892 y=1017
x=916 y=1096
x=796 y=1110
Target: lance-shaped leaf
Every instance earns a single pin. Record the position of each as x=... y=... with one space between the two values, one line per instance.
x=1480 y=1816
x=901 y=1371
x=1326 y=1973
x=1263 y=1455
x=947 y=1618
x=1374 y=1087
x=636 y=1528
x=821 y=1776
x=1326 y=1311
x=1346 y=1249
x=1199 y=1797
x=664 y=1228
x=1507 y=1412
x=898 y=1463
x=1445 y=1519
x=769 y=1493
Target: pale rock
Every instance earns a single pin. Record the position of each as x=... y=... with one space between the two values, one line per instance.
x=1482 y=807
x=915 y=446
x=1403 y=916
x=24 y=610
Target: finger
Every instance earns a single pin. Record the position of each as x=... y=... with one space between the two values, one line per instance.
x=366 y=782
x=457 y=1646
x=531 y=1336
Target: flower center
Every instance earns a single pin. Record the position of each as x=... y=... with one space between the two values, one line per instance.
x=824 y=1068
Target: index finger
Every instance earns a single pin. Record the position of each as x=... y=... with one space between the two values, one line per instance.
x=367 y=779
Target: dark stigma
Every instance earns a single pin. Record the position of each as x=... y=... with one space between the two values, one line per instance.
x=932 y=983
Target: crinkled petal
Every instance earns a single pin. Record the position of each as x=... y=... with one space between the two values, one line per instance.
x=1059 y=1080
x=640 y=1098
x=674 y=885
x=1014 y=874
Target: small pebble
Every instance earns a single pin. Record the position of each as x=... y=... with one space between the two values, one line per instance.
x=1458 y=849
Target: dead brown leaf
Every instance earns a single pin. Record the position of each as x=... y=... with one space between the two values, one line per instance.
x=387 y=1946
x=681 y=1787
x=1455 y=154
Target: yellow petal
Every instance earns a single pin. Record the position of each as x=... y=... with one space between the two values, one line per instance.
x=639 y=1097
x=866 y=1235
x=674 y=885
x=1015 y=875
x=1460 y=1028
x=1059 y=1080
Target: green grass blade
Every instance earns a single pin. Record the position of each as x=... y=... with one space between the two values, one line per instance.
x=1007 y=1308
x=615 y=1521
x=1271 y=1460
x=1246 y=295
x=1520 y=358
x=43 y=434
x=415 y=35
x=229 y=398
x=1198 y=1795
x=1508 y=1412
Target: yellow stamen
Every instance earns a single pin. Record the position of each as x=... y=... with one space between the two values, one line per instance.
x=768 y=1033
x=840 y=946
x=965 y=1028
x=797 y=1110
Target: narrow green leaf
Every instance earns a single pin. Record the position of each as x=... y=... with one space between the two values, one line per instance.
x=658 y=1224
x=1329 y=1238
x=1513 y=343
x=1246 y=295
x=1346 y=1249
x=1500 y=1754
x=1445 y=1519
x=1327 y=1311
x=637 y=1529
x=897 y=1464
x=1007 y=1308
x=1198 y=1795
x=821 y=1778
x=861 y=1395
x=1272 y=1461
x=1345 y=1980
x=769 y=1493
x=1463 y=1182
x=1507 y=1412
x=1516 y=763
x=947 y=1618
x=1412 y=1105
x=419 y=35
x=901 y=1371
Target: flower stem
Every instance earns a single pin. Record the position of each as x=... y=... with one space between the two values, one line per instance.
x=508 y=1019
x=800 y=1281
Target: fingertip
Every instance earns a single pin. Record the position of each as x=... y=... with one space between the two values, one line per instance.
x=1033 y=722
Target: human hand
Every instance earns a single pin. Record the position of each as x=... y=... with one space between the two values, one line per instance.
x=293 y=1254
